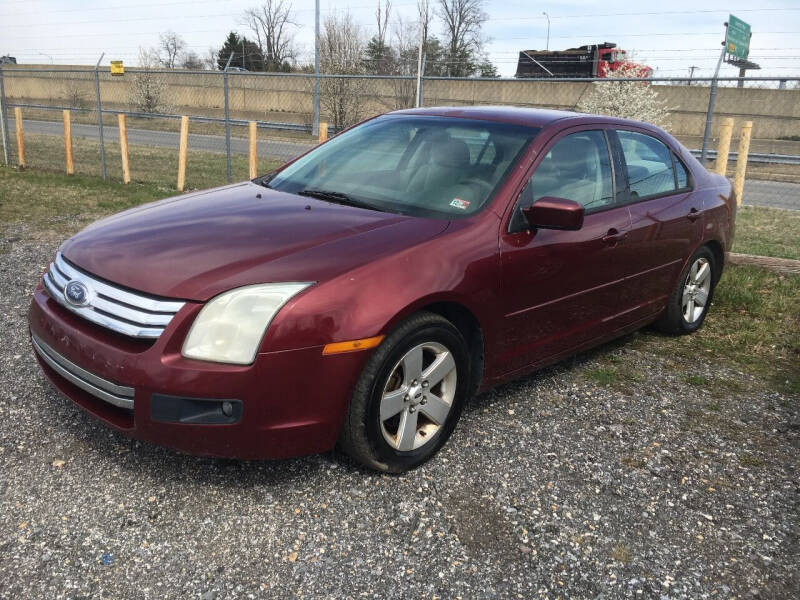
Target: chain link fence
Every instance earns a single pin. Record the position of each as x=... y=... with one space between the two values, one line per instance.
x=221 y=105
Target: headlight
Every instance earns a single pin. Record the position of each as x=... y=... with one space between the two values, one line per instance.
x=230 y=327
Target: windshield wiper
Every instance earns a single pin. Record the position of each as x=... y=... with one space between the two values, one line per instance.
x=264 y=180
x=336 y=197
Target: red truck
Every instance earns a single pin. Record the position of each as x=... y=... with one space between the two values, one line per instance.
x=597 y=60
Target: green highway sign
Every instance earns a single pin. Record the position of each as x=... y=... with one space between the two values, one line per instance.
x=737 y=38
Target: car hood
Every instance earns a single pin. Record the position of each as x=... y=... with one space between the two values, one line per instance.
x=196 y=246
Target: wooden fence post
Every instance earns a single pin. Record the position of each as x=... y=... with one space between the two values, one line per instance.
x=725 y=132
x=741 y=160
x=253 y=150
x=184 y=147
x=323 y=131
x=68 y=144
x=20 y=137
x=123 y=148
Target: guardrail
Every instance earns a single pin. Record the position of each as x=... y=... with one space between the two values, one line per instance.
x=757 y=157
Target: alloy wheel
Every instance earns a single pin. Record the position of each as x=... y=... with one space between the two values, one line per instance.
x=418 y=396
x=696 y=290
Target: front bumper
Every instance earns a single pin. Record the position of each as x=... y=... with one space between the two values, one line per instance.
x=292 y=402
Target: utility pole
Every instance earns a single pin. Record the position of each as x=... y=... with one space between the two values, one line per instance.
x=423 y=35
x=4 y=119
x=100 y=115
x=227 y=115
x=315 y=126
x=547 y=46
x=710 y=114
x=691 y=74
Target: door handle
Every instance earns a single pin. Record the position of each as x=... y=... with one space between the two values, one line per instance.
x=693 y=215
x=614 y=236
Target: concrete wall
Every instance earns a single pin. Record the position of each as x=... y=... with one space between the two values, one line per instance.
x=775 y=113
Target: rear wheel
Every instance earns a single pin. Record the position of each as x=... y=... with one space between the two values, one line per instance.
x=690 y=300
x=409 y=396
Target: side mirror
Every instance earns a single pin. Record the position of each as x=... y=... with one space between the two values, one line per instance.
x=554 y=213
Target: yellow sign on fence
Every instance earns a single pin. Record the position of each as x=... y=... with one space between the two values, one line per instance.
x=117 y=68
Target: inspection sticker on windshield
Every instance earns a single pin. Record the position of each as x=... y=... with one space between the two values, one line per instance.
x=459 y=203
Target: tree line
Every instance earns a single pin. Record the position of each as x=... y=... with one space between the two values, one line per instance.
x=390 y=48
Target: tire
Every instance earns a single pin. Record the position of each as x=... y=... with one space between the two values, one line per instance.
x=678 y=318
x=394 y=442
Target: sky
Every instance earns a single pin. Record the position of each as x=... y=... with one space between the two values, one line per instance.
x=670 y=37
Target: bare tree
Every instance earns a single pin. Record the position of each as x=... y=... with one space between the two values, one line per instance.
x=379 y=56
x=425 y=14
x=76 y=92
x=210 y=61
x=271 y=23
x=341 y=49
x=149 y=58
x=463 y=21
x=382 y=18
x=191 y=60
x=170 y=46
x=405 y=41
x=405 y=36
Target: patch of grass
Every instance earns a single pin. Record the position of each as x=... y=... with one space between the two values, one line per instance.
x=753 y=324
x=750 y=461
x=49 y=200
x=149 y=164
x=633 y=462
x=614 y=372
x=696 y=380
x=602 y=376
x=768 y=232
x=621 y=553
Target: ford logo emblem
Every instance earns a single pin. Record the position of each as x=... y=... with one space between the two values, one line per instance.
x=76 y=293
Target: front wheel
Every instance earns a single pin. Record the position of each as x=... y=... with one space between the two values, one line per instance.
x=689 y=302
x=409 y=397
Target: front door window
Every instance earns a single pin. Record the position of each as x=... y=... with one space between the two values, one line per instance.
x=577 y=167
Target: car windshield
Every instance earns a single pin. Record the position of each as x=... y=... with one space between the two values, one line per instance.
x=417 y=165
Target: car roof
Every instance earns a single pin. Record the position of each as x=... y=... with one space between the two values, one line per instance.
x=533 y=117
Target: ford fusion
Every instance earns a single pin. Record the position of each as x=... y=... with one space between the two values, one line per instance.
x=359 y=295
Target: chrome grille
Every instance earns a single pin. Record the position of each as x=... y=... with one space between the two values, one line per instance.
x=129 y=313
x=118 y=395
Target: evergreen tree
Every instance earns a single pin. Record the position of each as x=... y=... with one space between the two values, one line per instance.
x=379 y=58
x=245 y=53
x=435 y=58
x=487 y=69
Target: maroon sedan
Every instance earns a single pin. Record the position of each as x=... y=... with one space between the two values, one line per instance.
x=360 y=294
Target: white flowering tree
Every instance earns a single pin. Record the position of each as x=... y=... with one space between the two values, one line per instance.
x=628 y=99
x=149 y=90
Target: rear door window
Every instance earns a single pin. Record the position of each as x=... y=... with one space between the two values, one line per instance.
x=649 y=163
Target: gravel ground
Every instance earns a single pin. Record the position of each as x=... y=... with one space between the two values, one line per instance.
x=552 y=486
